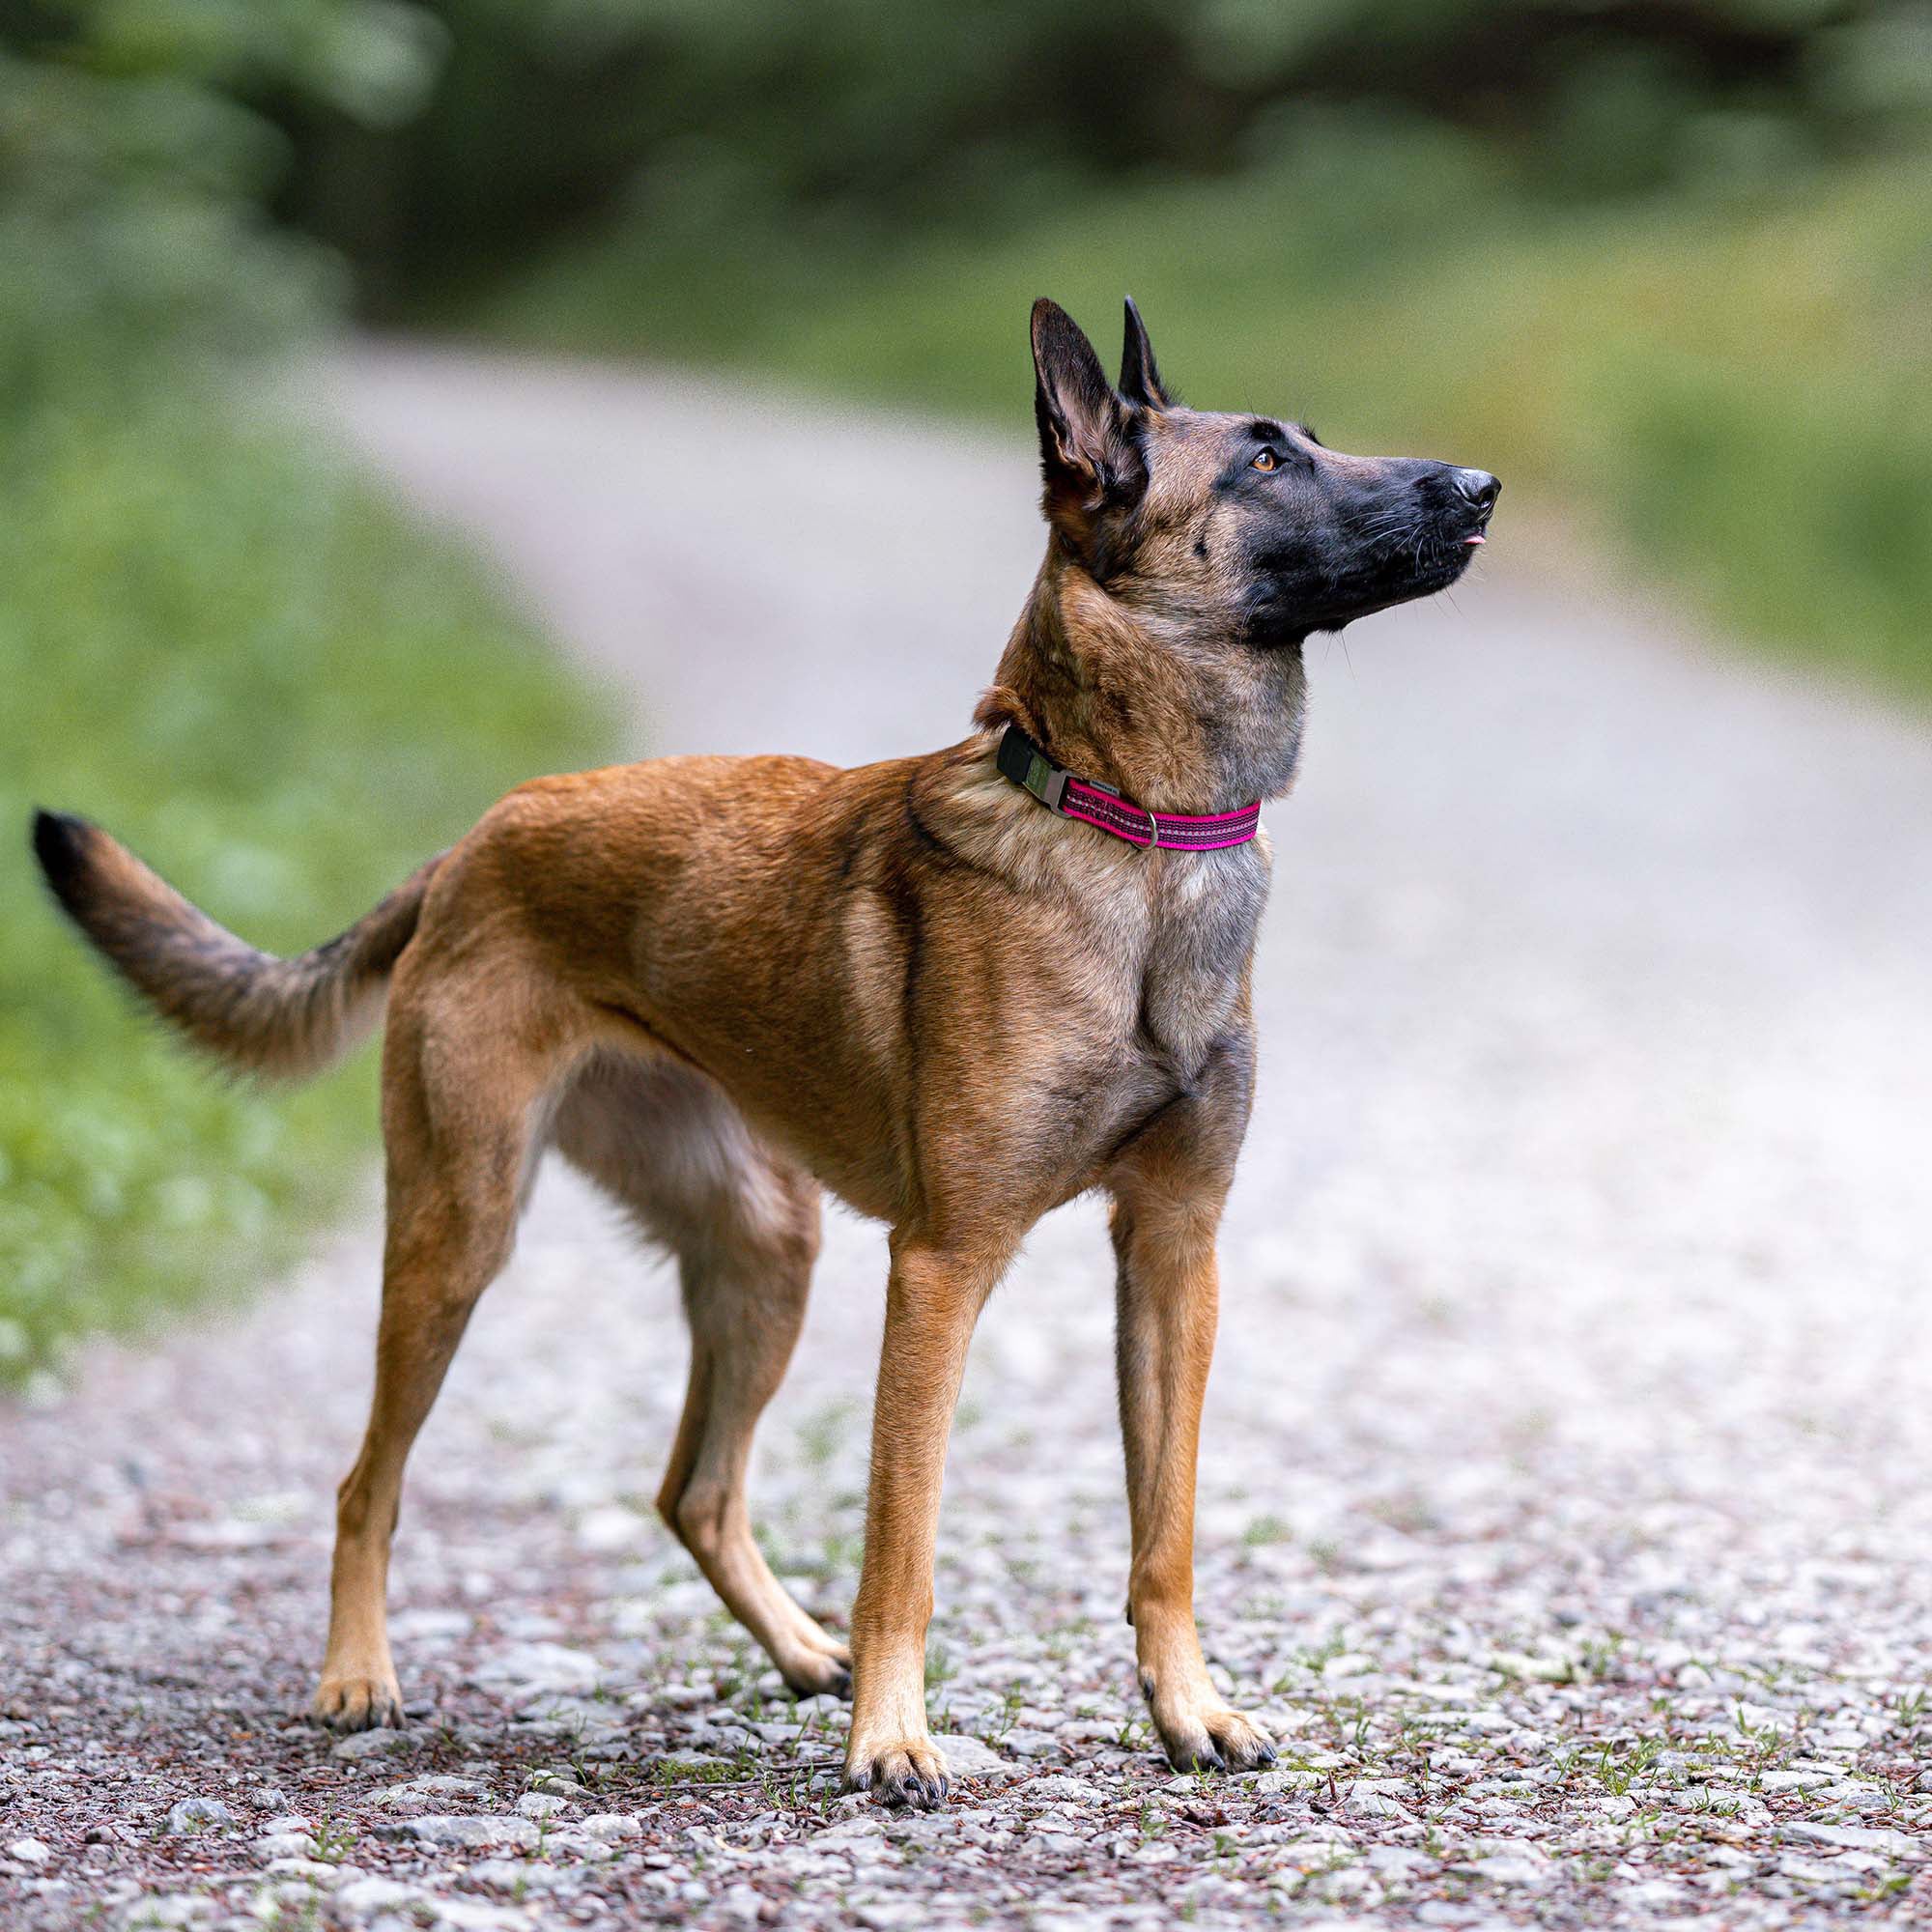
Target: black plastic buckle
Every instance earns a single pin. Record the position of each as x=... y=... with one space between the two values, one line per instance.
x=1022 y=761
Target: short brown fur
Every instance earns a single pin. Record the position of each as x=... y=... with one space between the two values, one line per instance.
x=718 y=985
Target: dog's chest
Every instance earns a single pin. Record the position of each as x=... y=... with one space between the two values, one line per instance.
x=1201 y=923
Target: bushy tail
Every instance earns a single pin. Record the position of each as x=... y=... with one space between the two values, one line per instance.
x=282 y=1017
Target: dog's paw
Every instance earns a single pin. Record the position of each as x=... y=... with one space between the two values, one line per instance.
x=1213 y=1737
x=814 y=1674
x=359 y=1704
x=905 y=1771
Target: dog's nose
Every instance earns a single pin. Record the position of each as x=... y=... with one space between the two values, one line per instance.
x=1478 y=489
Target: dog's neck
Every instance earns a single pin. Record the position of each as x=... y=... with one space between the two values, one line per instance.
x=1173 y=717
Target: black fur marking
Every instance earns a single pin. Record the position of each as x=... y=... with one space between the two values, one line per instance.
x=851 y=844
x=1140 y=379
x=902 y=901
x=1146 y=1124
x=60 y=845
x=948 y=855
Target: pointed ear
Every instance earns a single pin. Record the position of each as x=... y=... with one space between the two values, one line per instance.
x=1140 y=379
x=1084 y=449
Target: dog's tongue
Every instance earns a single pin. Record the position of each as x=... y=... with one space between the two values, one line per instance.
x=1475 y=540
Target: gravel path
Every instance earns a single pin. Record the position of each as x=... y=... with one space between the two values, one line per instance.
x=1564 y=1496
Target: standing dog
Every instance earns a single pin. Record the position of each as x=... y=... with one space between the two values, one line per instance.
x=718 y=986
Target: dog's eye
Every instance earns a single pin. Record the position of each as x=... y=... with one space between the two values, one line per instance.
x=1265 y=458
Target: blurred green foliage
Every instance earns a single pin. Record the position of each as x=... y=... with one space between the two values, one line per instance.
x=137 y=155
x=870 y=119
x=225 y=649
x=213 y=638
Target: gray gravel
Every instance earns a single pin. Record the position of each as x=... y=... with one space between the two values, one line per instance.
x=1563 y=1494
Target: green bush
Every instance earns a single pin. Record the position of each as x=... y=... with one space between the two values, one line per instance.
x=283 y=695
x=136 y=165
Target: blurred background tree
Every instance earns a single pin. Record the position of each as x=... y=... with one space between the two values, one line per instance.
x=135 y=160
x=888 y=119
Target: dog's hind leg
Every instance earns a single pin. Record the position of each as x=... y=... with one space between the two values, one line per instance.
x=743 y=1227
x=458 y=1102
x=745 y=1306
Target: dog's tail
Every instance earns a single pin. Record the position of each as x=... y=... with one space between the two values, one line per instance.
x=286 y=1018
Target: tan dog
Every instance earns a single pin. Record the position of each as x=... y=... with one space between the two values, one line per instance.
x=718 y=985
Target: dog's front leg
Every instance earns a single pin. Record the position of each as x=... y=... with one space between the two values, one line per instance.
x=932 y=1300
x=1168 y=1294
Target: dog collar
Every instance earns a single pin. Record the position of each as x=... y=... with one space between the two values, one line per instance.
x=1022 y=761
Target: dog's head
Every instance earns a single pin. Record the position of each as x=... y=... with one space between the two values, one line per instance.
x=1240 y=525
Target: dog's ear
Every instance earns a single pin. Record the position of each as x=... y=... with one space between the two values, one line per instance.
x=1140 y=378
x=1087 y=455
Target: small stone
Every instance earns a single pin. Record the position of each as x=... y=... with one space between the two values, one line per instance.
x=743 y=1905
x=1058 y=1788
x=613 y=1527
x=893 y=1915
x=541 y=1804
x=1508 y=1868
x=1032 y=1743
x=481 y=1832
x=374 y=1893
x=1350 y=1664
x=188 y=1815
x=1859 y=1838
x=1366 y=1803
x=169 y=1909
x=374 y=1743
x=425 y=1794
x=29 y=1851
x=610 y=1827
x=972 y=1757
x=475 y=1915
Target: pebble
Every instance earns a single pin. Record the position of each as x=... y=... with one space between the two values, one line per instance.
x=198 y=1814
x=374 y=1745
x=479 y=1832
x=367 y=1897
x=972 y=1757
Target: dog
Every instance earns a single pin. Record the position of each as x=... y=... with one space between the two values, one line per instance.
x=721 y=986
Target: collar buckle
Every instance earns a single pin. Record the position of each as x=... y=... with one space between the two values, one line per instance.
x=1030 y=768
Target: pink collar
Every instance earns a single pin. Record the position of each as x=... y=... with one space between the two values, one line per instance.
x=1022 y=761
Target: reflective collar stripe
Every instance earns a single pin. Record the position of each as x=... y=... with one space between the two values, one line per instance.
x=1022 y=761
